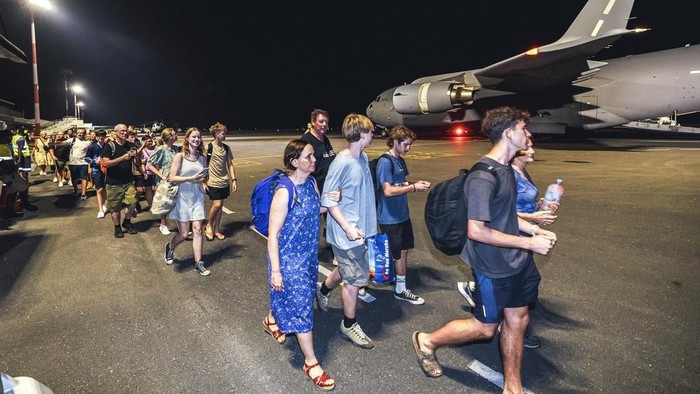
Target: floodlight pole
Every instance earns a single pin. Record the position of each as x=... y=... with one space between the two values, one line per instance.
x=35 y=72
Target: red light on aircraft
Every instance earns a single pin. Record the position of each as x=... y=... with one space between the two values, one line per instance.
x=459 y=131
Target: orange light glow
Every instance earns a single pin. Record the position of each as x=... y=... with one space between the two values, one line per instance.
x=533 y=52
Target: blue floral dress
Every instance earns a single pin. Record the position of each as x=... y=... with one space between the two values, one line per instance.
x=526 y=200
x=298 y=252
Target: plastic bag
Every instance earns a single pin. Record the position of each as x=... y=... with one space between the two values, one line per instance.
x=381 y=263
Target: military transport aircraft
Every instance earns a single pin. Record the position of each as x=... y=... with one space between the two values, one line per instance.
x=558 y=83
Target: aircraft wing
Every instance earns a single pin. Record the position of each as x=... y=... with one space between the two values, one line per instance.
x=560 y=63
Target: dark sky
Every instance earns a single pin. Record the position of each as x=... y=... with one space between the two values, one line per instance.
x=258 y=64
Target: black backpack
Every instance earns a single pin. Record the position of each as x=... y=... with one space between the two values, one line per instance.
x=373 y=171
x=446 y=211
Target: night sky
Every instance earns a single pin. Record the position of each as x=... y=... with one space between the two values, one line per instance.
x=268 y=64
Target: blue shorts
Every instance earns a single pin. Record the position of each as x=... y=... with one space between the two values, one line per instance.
x=78 y=172
x=492 y=295
x=400 y=237
x=98 y=178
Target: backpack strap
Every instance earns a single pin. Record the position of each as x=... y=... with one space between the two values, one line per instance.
x=289 y=185
x=210 y=148
x=481 y=166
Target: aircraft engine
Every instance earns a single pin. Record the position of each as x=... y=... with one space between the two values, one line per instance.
x=431 y=97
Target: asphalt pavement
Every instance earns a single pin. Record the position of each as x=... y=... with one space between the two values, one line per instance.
x=83 y=312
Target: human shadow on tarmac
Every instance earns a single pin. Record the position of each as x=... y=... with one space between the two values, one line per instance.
x=15 y=251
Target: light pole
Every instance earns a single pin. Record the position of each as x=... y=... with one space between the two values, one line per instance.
x=66 y=73
x=35 y=70
x=79 y=105
x=76 y=90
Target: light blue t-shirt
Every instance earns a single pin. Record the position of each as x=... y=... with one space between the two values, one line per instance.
x=353 y=178
x=392 y=210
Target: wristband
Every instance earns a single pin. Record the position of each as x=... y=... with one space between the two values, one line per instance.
x=534 y=227
x=414 y=187
x=233 y=180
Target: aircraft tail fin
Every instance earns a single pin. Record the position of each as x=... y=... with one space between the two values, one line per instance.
x=599 y=18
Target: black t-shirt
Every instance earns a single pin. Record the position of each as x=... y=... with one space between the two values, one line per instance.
x=493 y=202
x=121 y=173
x=324 y=154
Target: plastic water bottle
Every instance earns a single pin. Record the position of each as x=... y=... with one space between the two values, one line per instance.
x=552 y=195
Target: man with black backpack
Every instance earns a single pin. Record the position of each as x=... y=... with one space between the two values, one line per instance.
x=501 y=259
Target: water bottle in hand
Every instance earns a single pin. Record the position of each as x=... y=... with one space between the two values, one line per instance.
x=552 y=197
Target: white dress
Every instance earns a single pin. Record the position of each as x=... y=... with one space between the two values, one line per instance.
x=189 y=204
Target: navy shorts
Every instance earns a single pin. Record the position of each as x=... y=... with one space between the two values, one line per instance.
x=400 y=237
x=218 y=193
x=78 y=172
x=98 y=179
x=492 y=295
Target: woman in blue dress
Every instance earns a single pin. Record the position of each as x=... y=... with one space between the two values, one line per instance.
x=292 y=258
x=526 y=201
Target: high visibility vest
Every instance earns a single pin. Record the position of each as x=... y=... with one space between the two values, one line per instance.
x=25 y=150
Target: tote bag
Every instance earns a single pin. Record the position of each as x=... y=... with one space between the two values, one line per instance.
x=164 y=197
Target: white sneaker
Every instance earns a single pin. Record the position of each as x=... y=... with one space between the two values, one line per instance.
x=164 y=230
x=100 y=214
x=60 y=184
x=465 y=289
x=55 y=179
x=104 y=207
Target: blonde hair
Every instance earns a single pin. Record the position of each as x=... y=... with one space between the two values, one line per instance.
x=356 y=124
x=186 y=145
x=216 y=128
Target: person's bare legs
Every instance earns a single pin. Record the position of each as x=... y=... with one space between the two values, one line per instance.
x=214 y=218
x=348 y=294
x=182 y=229
x=454 y=333
x=197 y=239
x=515 y=321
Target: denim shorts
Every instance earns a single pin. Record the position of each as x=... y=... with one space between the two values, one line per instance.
x=353 y=265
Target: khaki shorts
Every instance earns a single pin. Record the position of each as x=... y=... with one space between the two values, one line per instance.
x=119 y=196
x=353 y=265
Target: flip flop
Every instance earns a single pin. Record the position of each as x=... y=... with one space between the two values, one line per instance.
x=428 y=363
x=208 y=235
x=220 y=236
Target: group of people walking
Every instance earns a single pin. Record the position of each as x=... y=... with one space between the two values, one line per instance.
x=499 y=248
x=333 y=195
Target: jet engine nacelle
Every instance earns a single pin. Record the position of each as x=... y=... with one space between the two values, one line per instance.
x=431 y=97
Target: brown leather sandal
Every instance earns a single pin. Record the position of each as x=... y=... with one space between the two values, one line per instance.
x=428 y=363
x=274 y=332
x=322 y=381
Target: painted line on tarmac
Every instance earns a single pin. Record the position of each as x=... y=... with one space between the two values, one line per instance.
x=226 y=210
x=489 y=374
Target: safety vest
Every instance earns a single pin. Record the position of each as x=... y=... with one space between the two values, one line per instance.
x=25 y=150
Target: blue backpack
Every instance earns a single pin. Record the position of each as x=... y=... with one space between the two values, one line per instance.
x=261 y=199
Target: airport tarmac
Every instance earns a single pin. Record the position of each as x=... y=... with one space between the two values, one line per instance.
x=83 y=312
